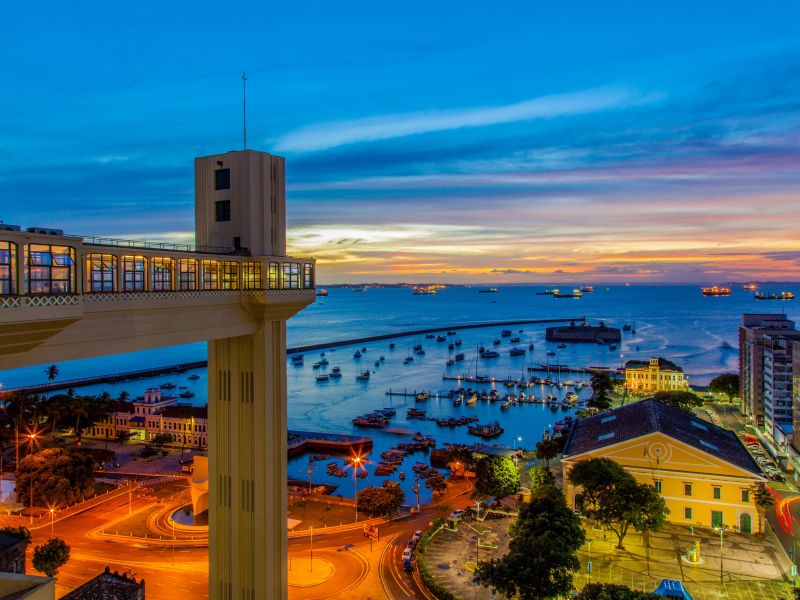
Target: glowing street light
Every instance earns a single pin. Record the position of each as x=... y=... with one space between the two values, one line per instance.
x=357 y=460
x=52 y=519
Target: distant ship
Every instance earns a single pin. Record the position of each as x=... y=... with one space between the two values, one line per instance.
x=774 y=296
x=751 y=286
x=576 y=293
x=547 y=292
x=425 y=290
x=716 y=291
x=488 y=291
x=322 y=292
x=587 y=289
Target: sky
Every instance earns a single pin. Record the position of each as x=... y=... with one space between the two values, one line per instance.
x=457 y=142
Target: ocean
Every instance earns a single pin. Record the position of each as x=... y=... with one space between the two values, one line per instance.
x=673 y=321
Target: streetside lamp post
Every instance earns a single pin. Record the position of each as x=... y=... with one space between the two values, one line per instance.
x=722 y=527
x=311 y=548
x=415 y=489
x=517 y=439
x=357 y=460
x=52 y=519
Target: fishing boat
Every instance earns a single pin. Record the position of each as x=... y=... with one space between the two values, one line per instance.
x=576 y=293
x=324 y=377
x=194 y=376
x=440 y=338
x=316 y=365
x=458 y=357
x=450 y=362
x=547 y=292
x=429 y=336
x=451 y=332
x=491 y=290
x=457 y=400
x=458 y=343
x=363 y=376
x=186 y=394
x=716 y=291
x=489 y=430
x=335 y=373
x=490 y=354
x=167 y=386
x=451 y=346
x=382 y=358
x=515 y=340
x=627 y=327
x=507 y=403
x=751 y=287
x=561 y=346
x=324 y=362
x=357 y=354
x=774 y=296
x=415 y=413
x=322 y=292
x=391 y=346
x=517 y=352
x=421 y=397
x=472 y=400
x=587 y=289
x=505 y=333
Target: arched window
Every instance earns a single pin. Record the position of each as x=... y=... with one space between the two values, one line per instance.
x=101 y=272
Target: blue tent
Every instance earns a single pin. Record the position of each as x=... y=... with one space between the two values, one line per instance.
x=672 y=588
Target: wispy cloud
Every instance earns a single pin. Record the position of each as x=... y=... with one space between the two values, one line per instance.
x=323 y=136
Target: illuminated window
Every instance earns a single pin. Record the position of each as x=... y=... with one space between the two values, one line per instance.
x=251 y=275
x=8 y=268
x=210 y=274
x=133 y=273
x=291 y=276
x=161 y=273
x=101 y=271
x=50 y=269
x=308 y=276
x=273 y=276
x=187 y=274
x=230 y=275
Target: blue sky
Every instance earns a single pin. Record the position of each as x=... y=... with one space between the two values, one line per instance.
x=425 y=141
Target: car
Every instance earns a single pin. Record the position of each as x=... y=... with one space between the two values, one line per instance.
x=407 y=554
x=411 y=543
x=408 y=565
x=417 y=534
x=457 y=514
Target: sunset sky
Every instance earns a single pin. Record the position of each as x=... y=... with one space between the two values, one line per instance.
x=426 y=141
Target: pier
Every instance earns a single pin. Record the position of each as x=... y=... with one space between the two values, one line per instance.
x=305 y=441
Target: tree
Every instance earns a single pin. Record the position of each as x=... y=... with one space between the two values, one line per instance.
x=148 y=452
x=611 y=496
x=548 y=449
x=50 y=556
x=763 y=501
x=381 y=500
x=123 y=437
x=85 y=411
x=55 y=476
x=612 y=591
x=727 y=383
x=541 y=476
x=496 y=476
x=437 y=484
x=602 y=387
x=51 y=372
x=161 y=439
x=679 y=399
x=543 y=552
x=20 y=532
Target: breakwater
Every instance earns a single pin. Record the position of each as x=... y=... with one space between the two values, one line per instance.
x=170 y=369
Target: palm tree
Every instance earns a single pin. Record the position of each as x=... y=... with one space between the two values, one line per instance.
x=79 y=407
x=763 y=501
x=19 y=406
x=51 y=372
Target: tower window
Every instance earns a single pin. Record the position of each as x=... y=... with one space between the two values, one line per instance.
x=222 y=179
x=223 y=208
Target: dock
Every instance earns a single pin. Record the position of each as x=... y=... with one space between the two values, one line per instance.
x=407 y=394
x=306 y=441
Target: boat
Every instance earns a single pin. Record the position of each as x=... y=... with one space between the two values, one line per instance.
x=194 y=377
x=751 y=287
x=459 y=357
x=335 y=374
x=587 y=289
x=415 y=413
x=490 y=354
x=324 y=377
x=440 y=338
x=363 y=376
x=716 y=291
x=458 y=400
x=515 y=340
x=548 y=292
x=324 y=362
x=382 y=358
x=401 y=476
x=517 y=352
x=505 y=333
x=424 y=290
x=490 y=430
x=491 y=290
x=408 y=359
x=316 y=365
x=430 y=336
x=167 y=386
x=451 y=332
x=322 y=292
x=496 y=342
x=774 y=296
x=576 y=293
x=551 y=353
x=391 y=346
x=561 y=346
x=357 y=354
x=450 y=362
x=186 y=394
x=458 y=343
x=472 y=400
x=627 y=327
x=377 y=363
x=506 y=403
x=371 y=420
x=421 y=397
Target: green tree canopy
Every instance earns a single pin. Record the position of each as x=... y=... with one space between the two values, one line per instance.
x=611 y=496
x=148 y=451
x=541 y=476
x=727 y=383
x=50 y=556
x=679 y=399
x=602 y=386
x=381 y=500
x=548 y=449
x=160 y=439
x=612 y=591
x=542 y=554
x=763 y=501
x=57 y=477
x=437 y=484
x=496 y=476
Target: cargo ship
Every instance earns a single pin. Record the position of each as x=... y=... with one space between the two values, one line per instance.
x=774 y=296
x=751 y=287
x=716 y=291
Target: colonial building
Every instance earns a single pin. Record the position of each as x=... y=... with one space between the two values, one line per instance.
x=764 y=357
x=152 y=414
x=703 y=471
x=109 y=586
x=657 y=375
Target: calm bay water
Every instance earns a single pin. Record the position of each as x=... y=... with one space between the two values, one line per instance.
x=676 y=322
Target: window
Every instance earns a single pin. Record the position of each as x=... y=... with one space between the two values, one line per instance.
x=745 y=495
x=687 y=512
x=291 y=276
x=230 y=275
x=133 y=273
x=161 y=273
x=605 y=436
x=8 y=268
x=211 y=272
x=717 y=492
x=223 y=208
x=687 y=489
x=273 y=276
x=50 y=269
x=251 y=275
x=308 y=276
x=716 y=518
x=658 y=485
x=187 y=274
x=222 y=179
x=101 y=270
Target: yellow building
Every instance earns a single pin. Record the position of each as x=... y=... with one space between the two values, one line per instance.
x=657 y=375
x=703 y=471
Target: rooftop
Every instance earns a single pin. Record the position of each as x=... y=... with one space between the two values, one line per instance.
x=663 y=364
x=650 y=416
x=109 y=586
x=186 y=412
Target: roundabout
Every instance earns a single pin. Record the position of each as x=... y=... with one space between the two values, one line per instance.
x=305 y=572
x=336 y=573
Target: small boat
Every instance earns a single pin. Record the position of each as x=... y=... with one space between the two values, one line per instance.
x=450 y=362
x=324 y=377
x=505 y=333
x=322 y=292
x=451 y=332
x=334 y=374
x=458 y=343
x=382 y=358
x=391 y=346
x=316 y=365
x=473 y=400
x=377 y=363
x=194 y=376
x=751 y=287
x=515 y=340
x=451 y=346
x=497 y=342
x=357 y=354
x=561 y=346
x=547 y=292
x=421 y=397
x=401 y=476
x=627 y=327
x=441 y=338
x=517 y=352
x=363 y=376
x=491 y=290
x=408 y=359
x=587 y=289
x=457 y=400
x=506 y=403
x=186 y=394
x=458 y=357
x=430 y=336
x=324 y=362
x=551 y=353
x=167 y=386
x=297 y=360
x=490 y=354
x=364 y=349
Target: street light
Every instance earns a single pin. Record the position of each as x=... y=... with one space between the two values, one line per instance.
x=356 y=462
x=52 y=519
x=722 y=527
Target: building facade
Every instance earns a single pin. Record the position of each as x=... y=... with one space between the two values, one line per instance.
x=702 y=471
x=154 y=414
x=657 y=375
x=756 y=334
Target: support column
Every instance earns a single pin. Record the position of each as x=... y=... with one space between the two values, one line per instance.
x=247 y=465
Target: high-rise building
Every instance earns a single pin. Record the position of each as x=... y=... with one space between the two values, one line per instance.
x=765 y=368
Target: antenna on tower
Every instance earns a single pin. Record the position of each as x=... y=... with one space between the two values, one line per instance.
x=244 y=108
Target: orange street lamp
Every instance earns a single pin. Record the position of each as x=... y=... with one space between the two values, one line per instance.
x=356 y=462
x=52 y=519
